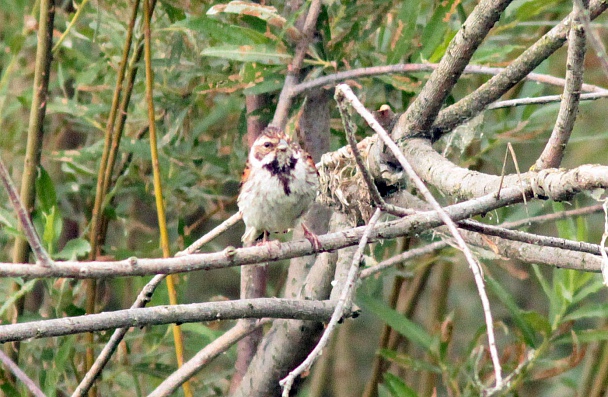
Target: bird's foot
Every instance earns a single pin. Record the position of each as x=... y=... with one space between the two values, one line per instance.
x=313 y=238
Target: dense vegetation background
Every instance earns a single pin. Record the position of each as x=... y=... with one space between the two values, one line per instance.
x=216 y=68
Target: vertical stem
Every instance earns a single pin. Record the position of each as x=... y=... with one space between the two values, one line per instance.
x=158 y=192
x=253 y=278
x=105 y=167
x=34 y=137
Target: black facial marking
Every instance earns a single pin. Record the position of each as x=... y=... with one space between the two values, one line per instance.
x=282 y=172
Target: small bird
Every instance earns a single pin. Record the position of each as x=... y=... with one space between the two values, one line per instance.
x=279 y=184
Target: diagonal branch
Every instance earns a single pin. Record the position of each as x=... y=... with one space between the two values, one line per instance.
x=285 y=98
x=19 y=374
x=342 y=305
x=42 y=257
x=204 y=356
x=347 y=93
x=494 y=88
x=421 y=114
x=553 y=153
x=106 y=353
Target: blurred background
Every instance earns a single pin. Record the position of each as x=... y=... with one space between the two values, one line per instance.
x=202 y=75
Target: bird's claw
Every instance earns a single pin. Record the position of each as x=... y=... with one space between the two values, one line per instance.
x=312 y=237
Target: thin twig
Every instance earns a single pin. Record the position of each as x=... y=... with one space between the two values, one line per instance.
x=476 y=269
x=106 y=353
x=332 y=79
x=349 y=128
x=67 y=30
x=212 y=234
x=553 y=217
x=338 y=314
x=553 y=153
x=517 y=70
x=531 y=238
x=204 y=356
x=403 y=257
x=543 y=100
x=42 y=257
x=285 y=98
x=19 y=374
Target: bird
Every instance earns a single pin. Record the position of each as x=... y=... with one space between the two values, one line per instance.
x=278 y=186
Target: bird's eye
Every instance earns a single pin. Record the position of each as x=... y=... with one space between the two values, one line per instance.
x=267 y=144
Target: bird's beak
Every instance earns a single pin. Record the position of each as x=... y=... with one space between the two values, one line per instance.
x=283 y=145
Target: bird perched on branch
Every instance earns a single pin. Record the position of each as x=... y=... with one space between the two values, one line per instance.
x=278 y=186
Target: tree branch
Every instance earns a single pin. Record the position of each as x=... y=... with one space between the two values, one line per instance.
x=284 y=104
x=552 y=155
x=204 y=356
x=42 y=257
x=346 y=93
x=332 y=79
x=494 y=88
x=342 y=306
x=421 y=114
x=187 y=313
x=19 y=374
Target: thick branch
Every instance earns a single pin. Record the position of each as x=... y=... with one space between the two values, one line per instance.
x=553 y=153
x=494 y=88
x=231 y=257
x=432 y=167
x=461 y=183
x=195 y=312
x=421 y=114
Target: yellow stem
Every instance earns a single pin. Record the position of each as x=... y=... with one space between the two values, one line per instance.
x=158 y=193
x=72 y=23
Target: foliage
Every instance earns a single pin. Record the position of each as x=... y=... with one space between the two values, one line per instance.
x=206 y=58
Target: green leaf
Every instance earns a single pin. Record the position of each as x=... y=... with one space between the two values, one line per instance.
x=537 y=321
x=553 y=300
x=406 y=23
x=45 y=190
x=8 y=220
x=265 y=54
x=517 y=314
x=408 y=362
x=434 y=31
x=397 y=387
x=599 y=310
x=74 y=249
x=52 y=228
x=587 y=336
x=397 y=321
x=270 y=84
x=593 y=287
x=222 y=32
